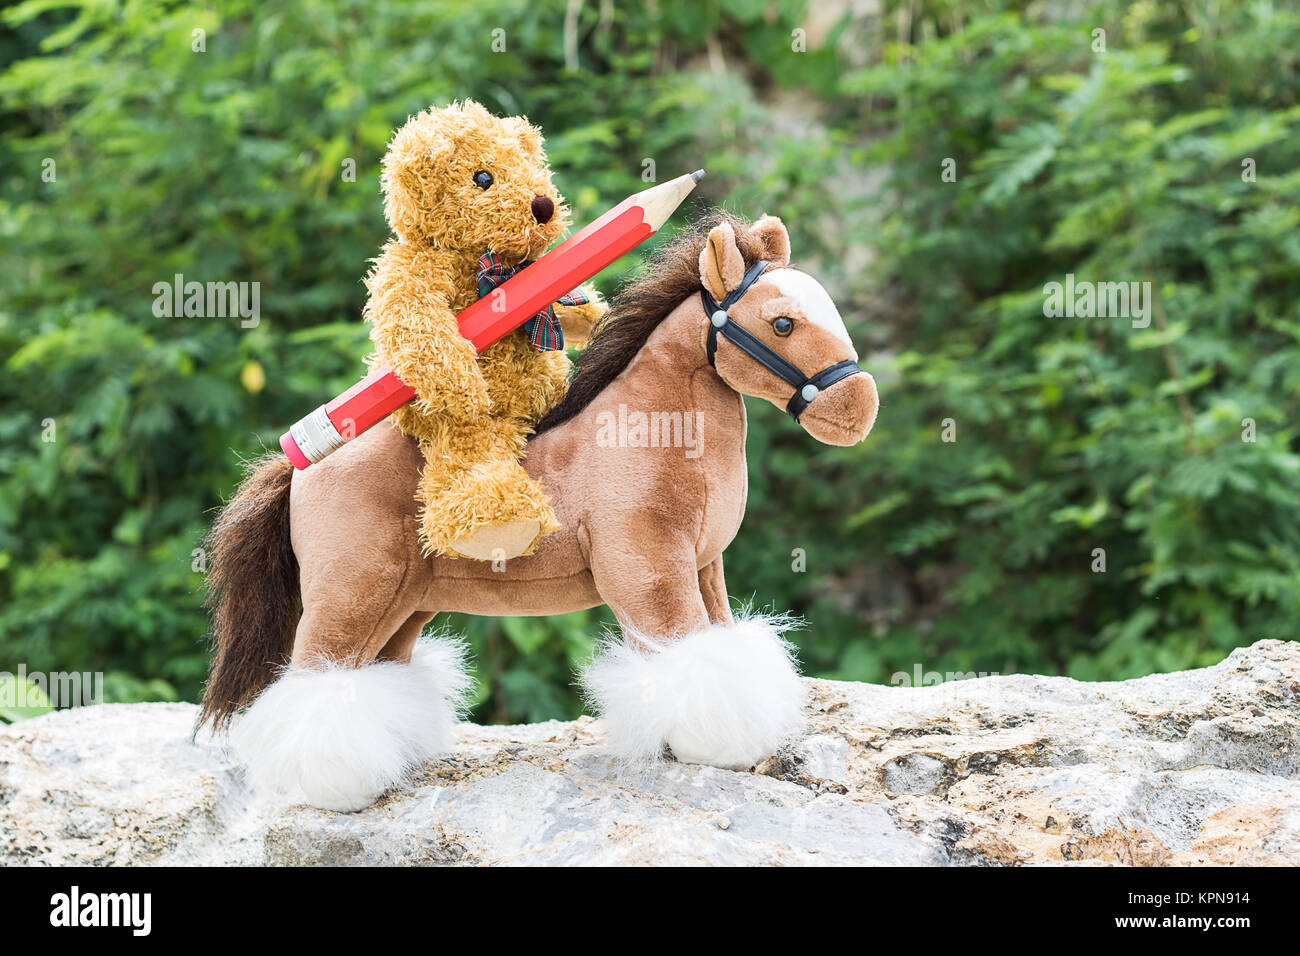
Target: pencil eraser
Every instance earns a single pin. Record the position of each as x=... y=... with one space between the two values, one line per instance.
x=291 y=449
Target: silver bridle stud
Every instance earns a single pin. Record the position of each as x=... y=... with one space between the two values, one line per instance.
x=809 y=392
x=719 y=319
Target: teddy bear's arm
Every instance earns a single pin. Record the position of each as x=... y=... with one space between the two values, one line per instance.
x=416 y=333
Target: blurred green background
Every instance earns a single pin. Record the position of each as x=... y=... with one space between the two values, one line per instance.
x=1128 y=163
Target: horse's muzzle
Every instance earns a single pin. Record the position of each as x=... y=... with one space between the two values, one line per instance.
x=844 y=413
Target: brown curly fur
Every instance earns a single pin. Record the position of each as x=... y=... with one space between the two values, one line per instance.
x=472 y=413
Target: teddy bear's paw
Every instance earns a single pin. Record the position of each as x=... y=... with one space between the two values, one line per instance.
x=499 y=542
x=578 y=321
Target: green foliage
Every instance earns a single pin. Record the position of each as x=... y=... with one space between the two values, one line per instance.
x=1072 y=434
x=1078 y=434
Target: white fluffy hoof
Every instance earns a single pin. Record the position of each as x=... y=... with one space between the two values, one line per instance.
x=726 y=696
x=338 y=737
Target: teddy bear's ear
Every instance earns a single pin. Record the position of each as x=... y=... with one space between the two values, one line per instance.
x=415 y=156
x=529 y=136
x=722 y=267
x=472 y=111
x=773 y=239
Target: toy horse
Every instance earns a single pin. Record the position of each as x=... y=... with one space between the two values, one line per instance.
x=322 y=568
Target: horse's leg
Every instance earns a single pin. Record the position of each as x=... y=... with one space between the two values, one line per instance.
x=654 y=596
x=348 y=625
x=713 y=588
x=686 y=675
x=402 y=642
x=340 y=727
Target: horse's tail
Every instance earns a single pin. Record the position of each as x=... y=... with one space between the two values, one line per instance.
x=252 y=590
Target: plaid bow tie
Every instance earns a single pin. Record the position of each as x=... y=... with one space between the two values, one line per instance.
x=543 y=328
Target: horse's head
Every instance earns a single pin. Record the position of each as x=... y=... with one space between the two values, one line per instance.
x=774 y=333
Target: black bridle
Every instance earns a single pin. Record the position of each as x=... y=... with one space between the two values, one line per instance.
x=806 y=387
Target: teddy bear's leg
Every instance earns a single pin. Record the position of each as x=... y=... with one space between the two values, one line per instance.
x=524 y=385
x=490 y=510
x=476 y=500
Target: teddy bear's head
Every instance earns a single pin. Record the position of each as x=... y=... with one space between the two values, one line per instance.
x=461 y=178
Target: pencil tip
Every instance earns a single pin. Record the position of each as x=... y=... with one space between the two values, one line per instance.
x=658 y=202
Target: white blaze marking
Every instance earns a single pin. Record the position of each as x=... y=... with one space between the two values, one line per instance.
x=816 y=302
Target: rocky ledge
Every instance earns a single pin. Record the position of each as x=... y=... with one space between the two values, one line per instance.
x=1199 y=767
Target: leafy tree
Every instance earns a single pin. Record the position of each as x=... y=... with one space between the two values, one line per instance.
x=1171 y=448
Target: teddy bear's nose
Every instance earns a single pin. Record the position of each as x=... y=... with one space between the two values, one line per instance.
x=543 y=209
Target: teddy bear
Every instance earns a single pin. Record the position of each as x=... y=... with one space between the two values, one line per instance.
x=469 y=198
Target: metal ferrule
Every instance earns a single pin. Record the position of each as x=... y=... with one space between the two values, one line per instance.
x=316 y=435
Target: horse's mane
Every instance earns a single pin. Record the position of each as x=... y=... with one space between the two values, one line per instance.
x=672 y=275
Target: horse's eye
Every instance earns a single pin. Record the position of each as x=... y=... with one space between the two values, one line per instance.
x=482 y=179
x=782 y=326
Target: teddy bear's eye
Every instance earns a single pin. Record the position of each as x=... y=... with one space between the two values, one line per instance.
x=482 y=179
x=782 y=326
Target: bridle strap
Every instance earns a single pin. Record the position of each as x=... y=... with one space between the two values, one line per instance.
x=821 y=381
x=806 y=387
x=712 y=307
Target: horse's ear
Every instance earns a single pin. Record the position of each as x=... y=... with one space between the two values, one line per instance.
x=722 y=267
x=773 y=239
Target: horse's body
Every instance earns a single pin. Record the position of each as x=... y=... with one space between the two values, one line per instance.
x=644 y=521
x=648 y=542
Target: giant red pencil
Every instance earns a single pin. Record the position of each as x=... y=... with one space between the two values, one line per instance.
x=523 y=295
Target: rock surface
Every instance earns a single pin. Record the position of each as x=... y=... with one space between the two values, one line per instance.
x=1199 y=767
